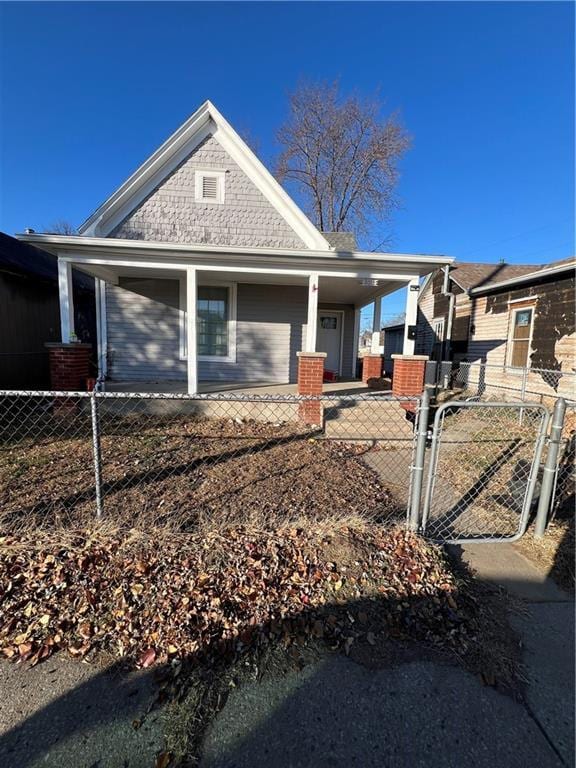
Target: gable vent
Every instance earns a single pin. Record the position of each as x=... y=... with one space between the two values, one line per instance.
x=210 y=187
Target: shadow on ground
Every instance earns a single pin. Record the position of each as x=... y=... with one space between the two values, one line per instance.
x=399 y=699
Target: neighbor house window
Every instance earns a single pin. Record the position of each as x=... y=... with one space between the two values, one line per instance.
x=215 y=322
x=520 y=336
x=209 y=186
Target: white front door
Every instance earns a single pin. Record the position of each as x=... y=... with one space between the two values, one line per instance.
x=329 y=338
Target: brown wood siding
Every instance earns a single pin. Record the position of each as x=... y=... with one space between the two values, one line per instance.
x=553 y=339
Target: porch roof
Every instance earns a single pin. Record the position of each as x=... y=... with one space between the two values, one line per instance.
x=374 y=274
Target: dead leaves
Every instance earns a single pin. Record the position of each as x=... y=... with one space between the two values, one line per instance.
x=160 y=604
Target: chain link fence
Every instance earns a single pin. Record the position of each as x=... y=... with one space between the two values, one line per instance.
x=565 y=479
x=483 y=470
x=485 y=381
x=184 y=462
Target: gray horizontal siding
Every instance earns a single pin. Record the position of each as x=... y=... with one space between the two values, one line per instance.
x=270 y=326
x=144 y=333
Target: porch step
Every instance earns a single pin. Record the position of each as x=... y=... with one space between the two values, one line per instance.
x=374 y=419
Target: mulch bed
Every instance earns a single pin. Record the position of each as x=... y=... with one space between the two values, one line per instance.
x=185 y=471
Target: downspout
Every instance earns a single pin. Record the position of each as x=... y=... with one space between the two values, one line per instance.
x=452 y=299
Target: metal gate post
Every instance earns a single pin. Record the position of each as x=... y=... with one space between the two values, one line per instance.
x=417 y=473
x=97 y=454
x=550 y=467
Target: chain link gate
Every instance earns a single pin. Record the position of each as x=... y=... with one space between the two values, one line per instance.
x=483 y=470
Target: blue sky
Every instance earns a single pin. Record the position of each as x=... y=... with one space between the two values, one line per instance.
x=485 y=89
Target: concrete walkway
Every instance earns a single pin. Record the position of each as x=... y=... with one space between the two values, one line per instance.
x=547 y=632
x=65 y=714
x=336 y=713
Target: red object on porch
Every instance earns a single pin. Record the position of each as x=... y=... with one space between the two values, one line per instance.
x=329 y=376
x=310 y=378
x=69 y=366
x=408 y=377
x=371 y=367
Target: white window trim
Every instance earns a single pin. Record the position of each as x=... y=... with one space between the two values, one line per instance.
x=232 y=297
x=199 y=176
x=510 y=343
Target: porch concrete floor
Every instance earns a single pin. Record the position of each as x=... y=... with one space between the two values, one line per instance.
x=346 y=387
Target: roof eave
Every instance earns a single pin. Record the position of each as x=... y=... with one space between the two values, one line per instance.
x=71 y=243
x=522 y=278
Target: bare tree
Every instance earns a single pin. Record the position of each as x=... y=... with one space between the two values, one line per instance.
x=341 y=156
x=61 y=227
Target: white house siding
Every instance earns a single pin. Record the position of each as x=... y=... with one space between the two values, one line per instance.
x=245 y=218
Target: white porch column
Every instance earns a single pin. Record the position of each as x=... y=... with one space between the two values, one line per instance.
x=312 y=321
x=376 y=347
x=192 y=356
x=411 y=314
x=66 y=300
x=101 y=327
x=355 y=342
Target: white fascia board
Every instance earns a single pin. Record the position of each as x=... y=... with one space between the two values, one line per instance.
x=207 y=119
x=570 y=266
x=423 y=264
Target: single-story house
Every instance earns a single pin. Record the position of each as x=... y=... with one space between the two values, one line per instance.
x=510 y=317
x=207 y=272
x=30 y=312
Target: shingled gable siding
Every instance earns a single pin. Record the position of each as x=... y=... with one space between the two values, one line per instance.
x=143 y=333
x=245 y=218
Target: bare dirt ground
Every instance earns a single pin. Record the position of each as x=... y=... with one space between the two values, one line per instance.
x=183 y=472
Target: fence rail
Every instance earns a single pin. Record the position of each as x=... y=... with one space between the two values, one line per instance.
x=182 y=459
x=485 y=380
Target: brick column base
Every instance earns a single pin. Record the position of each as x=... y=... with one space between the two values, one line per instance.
x=310 y=378
x=408 y=377
x=371 y=367
x=69 y=366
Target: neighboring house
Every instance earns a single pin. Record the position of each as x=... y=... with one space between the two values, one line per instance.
x=392 y=342
x=208 y=272
x=30 y=313
x=507 y=316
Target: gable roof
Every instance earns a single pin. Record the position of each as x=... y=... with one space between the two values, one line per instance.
x=207 y=120
x=474 y=275
x=475 y=278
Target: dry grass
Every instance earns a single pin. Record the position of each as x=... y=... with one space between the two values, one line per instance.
x=554 y=553
x=173 y=477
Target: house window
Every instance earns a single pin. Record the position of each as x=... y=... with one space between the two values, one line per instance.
x=213 y=313
x=520 y=337
x=215 y=322
x=209 y=186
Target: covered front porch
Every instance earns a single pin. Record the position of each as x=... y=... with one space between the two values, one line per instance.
x=175 y=317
